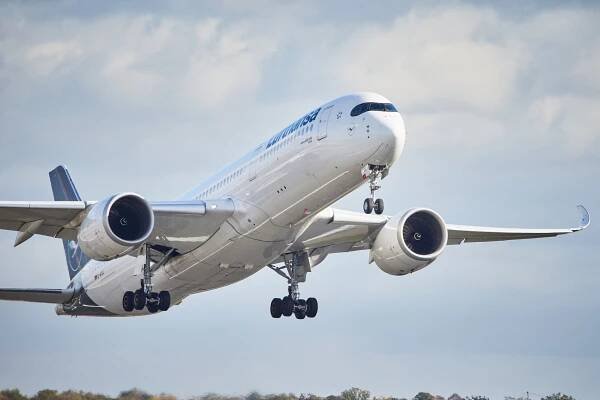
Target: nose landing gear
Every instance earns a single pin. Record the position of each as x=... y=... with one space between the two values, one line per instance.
x=374 y=173
x=292 y=303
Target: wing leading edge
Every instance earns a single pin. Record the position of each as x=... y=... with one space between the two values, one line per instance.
x=334 y=231
x=458 y=234
x=183 y=225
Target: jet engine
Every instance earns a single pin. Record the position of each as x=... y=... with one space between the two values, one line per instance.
x=410 y=242
x=115 y=226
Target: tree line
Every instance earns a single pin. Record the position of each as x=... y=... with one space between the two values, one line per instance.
x=349 y=394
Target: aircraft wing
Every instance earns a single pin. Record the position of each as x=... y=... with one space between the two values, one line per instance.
x=54 y=296
x=50 y=218
x=334 y=231
x=458 y=234
x=182 y=225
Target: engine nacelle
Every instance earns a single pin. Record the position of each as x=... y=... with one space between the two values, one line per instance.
x=115 y=226
x=410 y=242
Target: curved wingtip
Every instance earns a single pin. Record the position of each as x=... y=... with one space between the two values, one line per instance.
x=585 y=218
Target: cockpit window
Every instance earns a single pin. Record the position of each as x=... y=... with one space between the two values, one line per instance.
x=389 y=107
x=364 y=107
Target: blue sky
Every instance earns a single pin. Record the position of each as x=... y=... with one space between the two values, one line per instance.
x=502 y=107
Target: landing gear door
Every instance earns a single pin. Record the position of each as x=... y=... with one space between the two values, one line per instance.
x=323 y=121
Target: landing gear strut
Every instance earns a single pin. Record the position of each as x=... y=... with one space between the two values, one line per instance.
x=375 y=174
x=145 y=297
x=292 y=303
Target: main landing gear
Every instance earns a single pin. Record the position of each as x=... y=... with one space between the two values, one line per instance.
x=145 y=297
x=375 y=174
x=292 y=303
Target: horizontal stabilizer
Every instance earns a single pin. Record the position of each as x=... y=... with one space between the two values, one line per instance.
x=53 y=296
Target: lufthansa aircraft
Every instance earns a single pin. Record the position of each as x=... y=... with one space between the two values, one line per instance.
x=128 y=256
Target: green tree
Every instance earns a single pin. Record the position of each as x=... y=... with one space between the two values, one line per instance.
x=424 y=396
x=11 y=394
x=477 y=397
x=134 y=394
x=355 y=394
x=46 y=395
x=558 y=396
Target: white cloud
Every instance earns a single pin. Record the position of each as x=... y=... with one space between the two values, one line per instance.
x=447 y=57
x=224 y=65
x=469 y=75
x=46 y=58
x=443 y=130
x=587 y=67
x=139 y=59
x=574 y=121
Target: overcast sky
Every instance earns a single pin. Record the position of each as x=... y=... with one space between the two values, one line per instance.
x=502 y=107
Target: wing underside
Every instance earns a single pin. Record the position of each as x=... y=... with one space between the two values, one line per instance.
x=53 y=296
x=458 y=234
x=182 y=225
x=334 y=231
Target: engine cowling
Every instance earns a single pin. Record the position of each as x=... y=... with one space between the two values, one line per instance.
x=410 y=242
x=115 y=226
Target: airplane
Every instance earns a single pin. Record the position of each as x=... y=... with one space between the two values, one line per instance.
x=272 y=208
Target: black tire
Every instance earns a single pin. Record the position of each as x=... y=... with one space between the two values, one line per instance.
x=300 y=312
x=378 y=206
x=128 y=301
x=164 y=300
x=139 y=299
x=152 y=307
x=287 y=306
x=368 y=205
x=312 y=306
x=152 y=303
x=276 y=307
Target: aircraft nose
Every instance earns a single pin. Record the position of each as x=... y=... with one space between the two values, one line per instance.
x=391 y=132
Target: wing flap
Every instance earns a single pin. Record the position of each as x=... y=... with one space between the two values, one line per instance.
x=57 y=216
x=53 y=296
x=334 y=226
x=185 y=225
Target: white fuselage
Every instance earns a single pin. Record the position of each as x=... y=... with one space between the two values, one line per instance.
x=276 y=188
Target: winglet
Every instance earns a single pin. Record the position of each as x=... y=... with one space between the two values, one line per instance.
x=585 y=218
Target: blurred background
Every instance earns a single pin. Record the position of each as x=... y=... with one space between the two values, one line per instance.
x=502 y=107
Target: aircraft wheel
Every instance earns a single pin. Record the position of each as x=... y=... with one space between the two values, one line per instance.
x=153 y=303
x=368 y=205
x=276 y=304
x=378 y=206
x=287 y=306
x=312 y=306
x=139 y=299
x=152 y=307
x=300 y=310
x=164 y=300
x=128 y=301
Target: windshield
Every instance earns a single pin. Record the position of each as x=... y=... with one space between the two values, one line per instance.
x=364 y=107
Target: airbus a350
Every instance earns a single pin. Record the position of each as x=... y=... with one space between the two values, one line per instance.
x=128 y=256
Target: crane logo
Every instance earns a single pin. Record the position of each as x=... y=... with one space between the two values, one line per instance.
x=75 y=256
